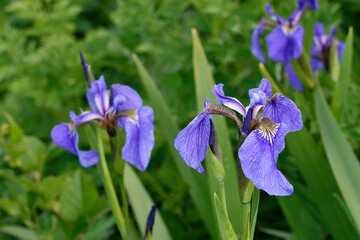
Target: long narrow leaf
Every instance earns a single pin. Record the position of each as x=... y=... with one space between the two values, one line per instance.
x=141 y=203
x=340 y=94
x=343 y=162
x=204 y=83
x=226 y=229
x=199 y=190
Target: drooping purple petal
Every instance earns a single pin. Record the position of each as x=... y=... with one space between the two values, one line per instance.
x=85 y=116
x=230 y=102
x=192 y=141
x=282 y=110
x=316 y=64
x=255 y=46
x=312 y=3
x=124 y=97
x=66 y=137
x=293 y=78
x=284 y=45
x=258 y=155
x=272 y=15
x=98 y=96
x=139 y=137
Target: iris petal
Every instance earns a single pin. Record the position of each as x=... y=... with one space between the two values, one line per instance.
x=98 y=96
x=259 y=95
x=282 y=110
x=293 y=78
x=312 y=3
x=139 y=138
x=124 y=97
x=258 y=155
x=85 y=116
x=284 y=47
x=192 y=141
x=255 y=46
x=229 y=102
x=272 y=15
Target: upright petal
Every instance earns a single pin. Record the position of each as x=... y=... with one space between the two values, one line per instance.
x=255 y=46
x=124 y=97
x=272 y=15
x=259 y=95
x=284 y=45
x=265 y=86
x=66 y=137
x=319 y=29
x=314 y=5
x=192 y=141
x=282 y=110
x=229 y=102
x=98 y=97
x=293 y=78
x=340 y=48
x=139 y=138
x=258 y=155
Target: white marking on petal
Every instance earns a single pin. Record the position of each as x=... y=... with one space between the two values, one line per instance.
x=134 y=118
x=99 y=104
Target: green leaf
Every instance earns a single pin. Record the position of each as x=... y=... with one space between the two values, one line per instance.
x=199 y=190
x=321 y=184
x=204 y=83
x=343 y=162
x=334 y=62
x=303 y=76
x=225 y=227
x=299 y=218
x=342 y=85
x=19 y=232
x=141 y=203
x=254 y=211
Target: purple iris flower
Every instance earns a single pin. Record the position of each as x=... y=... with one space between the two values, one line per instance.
x=284 y=42
x=313 y=4
x=320 y=49
x=265 y=121
x=120 y=105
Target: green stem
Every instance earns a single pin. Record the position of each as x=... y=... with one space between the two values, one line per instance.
x=125 y=206
x=245 y=220
x=109 y=187
x=222 y=196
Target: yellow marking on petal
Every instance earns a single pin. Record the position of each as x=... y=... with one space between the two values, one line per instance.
x=268 y=129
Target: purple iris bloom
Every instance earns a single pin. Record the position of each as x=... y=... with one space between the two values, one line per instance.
x=313 y=4
x=121 y=105
x=284 y=42
x=266 y=121
x=320 y=49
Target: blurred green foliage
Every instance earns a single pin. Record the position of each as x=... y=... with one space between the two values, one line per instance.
x=41 y=80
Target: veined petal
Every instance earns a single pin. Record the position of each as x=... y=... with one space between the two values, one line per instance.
x=85 y=116
x=192 y=141
x=255 y=46
x=282 y=110
x=98 y=97
x=259 y=95
x=293 y=78
x=124 y=97
x=265 y=86
x=284 y=47
x=258 y=156
x=272 y=15
x=229 y=102
x=312 y=3
x=66 y=137
x=139 y=138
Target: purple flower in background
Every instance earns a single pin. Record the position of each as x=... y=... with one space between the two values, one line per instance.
x=266 y=121
x=284 y=42
x=313 y=4
x=121 y=105
x=320 y=49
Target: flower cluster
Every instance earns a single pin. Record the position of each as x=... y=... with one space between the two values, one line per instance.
x=265 y=122
x=285 y=41
x=119 y=106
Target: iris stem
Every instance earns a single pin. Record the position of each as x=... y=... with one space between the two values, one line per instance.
x=245 y=220
x=222 y=196
x=110 y=191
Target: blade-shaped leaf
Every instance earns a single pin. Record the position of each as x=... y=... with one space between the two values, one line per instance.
x=141 y=203
x=19 y=232
x=199 y=190
x=204 y=83
x=225 y=227
x=343 y=162
x=254 y=211
x=341 y=89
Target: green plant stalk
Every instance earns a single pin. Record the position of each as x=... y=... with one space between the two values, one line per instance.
x=265 y=74
x=245 y=221
x=109 y=187
x=222 y=196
